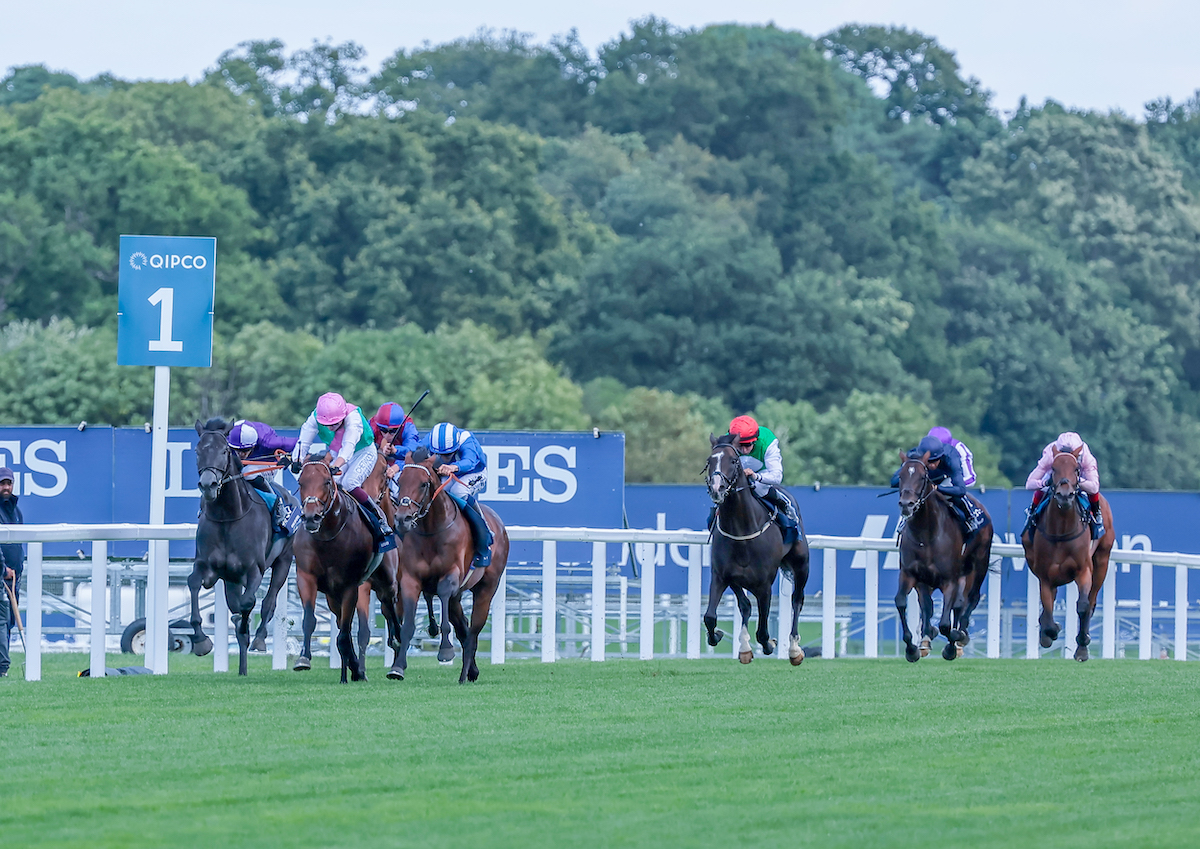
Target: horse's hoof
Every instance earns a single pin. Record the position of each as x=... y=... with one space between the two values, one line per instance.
x=1046 y=640
x=303 y=664
x=1081 y=653
x=715 y=637
x=202 y=648
x=769 y=648
x=395 y=674
x=950 y=652
x=259 y=644
x=797 y=658
x=745 y=656
x=912 y=654
x=925 y=644
x=446 y=655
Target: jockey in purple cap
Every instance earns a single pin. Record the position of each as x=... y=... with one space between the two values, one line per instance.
x=257 y=441
x=965 y=458
x=345 y=433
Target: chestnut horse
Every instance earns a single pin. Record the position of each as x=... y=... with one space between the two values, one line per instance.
x=933 y=555
x=748 y=552
x=234 y=542
x=335 y=556
x=1059 y=549
x=436 y=557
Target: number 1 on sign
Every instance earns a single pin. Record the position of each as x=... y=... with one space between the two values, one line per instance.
x=164 y=342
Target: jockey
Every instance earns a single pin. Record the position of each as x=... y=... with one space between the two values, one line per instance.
x=390 y=419
x=965 y=458
x=1089 y=478
x=345 y=430
x=257 y=441
x=459 y=454
x=945 y=472
x=763 y=463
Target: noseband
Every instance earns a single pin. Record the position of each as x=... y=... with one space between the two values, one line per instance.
x=719 y=474
x=324 y=506
x=224 y=475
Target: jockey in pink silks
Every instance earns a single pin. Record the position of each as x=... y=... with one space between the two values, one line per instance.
x=1089 y=477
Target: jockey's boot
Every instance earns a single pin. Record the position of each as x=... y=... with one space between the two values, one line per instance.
x=963 y=513
x=480 y=533
x=380 y=529
x=286 y=514
x=779 y=498
x=1097 y=519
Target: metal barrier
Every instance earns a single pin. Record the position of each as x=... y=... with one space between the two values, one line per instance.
x=834 y=616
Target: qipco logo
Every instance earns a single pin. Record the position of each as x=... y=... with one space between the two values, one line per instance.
x=138 y=261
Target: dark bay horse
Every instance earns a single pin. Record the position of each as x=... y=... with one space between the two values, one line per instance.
x=436 y=557
x=334 y=555
x=1059 y=549
x=748 y=552
x=933 y=556
x=234 y=542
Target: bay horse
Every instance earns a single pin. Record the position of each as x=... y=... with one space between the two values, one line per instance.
x=436 y=557
x=234 y=542
x=335 y=556
x=748 y=552
x=1059 y=549
x=934 y=555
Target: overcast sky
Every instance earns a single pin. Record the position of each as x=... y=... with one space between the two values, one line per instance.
x=1101 y=54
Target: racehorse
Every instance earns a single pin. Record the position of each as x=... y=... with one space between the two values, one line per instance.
x=436 y=557
x=748 y=552
x=234 y=542
x=1059 y=549
x=335 y=556
x=934 y=555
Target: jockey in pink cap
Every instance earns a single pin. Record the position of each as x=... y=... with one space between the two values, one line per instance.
x=346 y=433
x=1089 y=477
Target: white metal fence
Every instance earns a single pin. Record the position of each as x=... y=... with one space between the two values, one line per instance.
x=594 y=630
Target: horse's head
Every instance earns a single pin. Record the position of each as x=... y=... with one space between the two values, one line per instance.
x=915 y=485
x=215 y=460
x=724 y=468
x=416 y=486
x=317 y=491
x=1064 y=476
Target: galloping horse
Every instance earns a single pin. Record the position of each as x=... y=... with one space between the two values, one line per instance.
x=436 y=557
x=1059 y=549
x=747 y=553
x=234 y=542
x=934 y=555
x=335 y=556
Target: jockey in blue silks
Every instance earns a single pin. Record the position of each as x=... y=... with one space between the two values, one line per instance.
x=945 y=472
x=459 y=454
x=257 y=441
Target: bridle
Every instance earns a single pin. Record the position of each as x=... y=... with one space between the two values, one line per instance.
x=423 y=505
x=325 y=506
x=927 y=486
x=1063 y=502
x=224 y=475
x=708 y=477
x=1074 y=493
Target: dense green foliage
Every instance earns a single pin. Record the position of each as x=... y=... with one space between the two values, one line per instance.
x=835 y=753
x=839 y=234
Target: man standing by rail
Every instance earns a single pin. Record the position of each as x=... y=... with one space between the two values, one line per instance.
x=12 y=563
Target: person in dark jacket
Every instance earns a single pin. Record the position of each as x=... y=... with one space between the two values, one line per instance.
x=945 y=472
x=12 y=563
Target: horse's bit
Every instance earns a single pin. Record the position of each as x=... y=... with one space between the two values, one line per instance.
x=718 y=473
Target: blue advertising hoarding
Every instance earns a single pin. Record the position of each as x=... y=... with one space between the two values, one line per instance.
x=165 y=300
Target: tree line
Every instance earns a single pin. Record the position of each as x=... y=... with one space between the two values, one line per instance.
x=837 y=234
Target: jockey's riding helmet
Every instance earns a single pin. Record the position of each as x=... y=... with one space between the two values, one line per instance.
x=745 y=429
x=390 y=415
x=933 y=446
x=242 y=435
x=942 y=433
x=331 y=408
x=445 y=438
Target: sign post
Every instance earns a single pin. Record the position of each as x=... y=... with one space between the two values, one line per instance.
x=164 y=318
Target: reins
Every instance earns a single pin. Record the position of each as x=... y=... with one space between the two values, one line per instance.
x=425 y=507
x=325 y=508
x=732 y=489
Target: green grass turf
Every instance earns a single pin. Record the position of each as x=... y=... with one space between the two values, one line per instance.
x=852 y=753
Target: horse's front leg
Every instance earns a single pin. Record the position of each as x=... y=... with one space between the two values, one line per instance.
x=745 y=653
x=799 y=579
x=201 y=576
x=235 y=597
x=1049 y=628
x=410 y=593
x=389 y=604
x=716 y=589
x=958 y=621
x=362 y=612
x=446 y=589
x=906 y=583
x=763 y=632
x=306 y=586
x=1084 y=609
x=433 y=625
x=346 y=610
x=946 y=625
x=928 y=630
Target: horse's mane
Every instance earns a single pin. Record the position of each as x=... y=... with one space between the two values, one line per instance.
x=216 y=423
x=727 y=439
x=420 y=454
